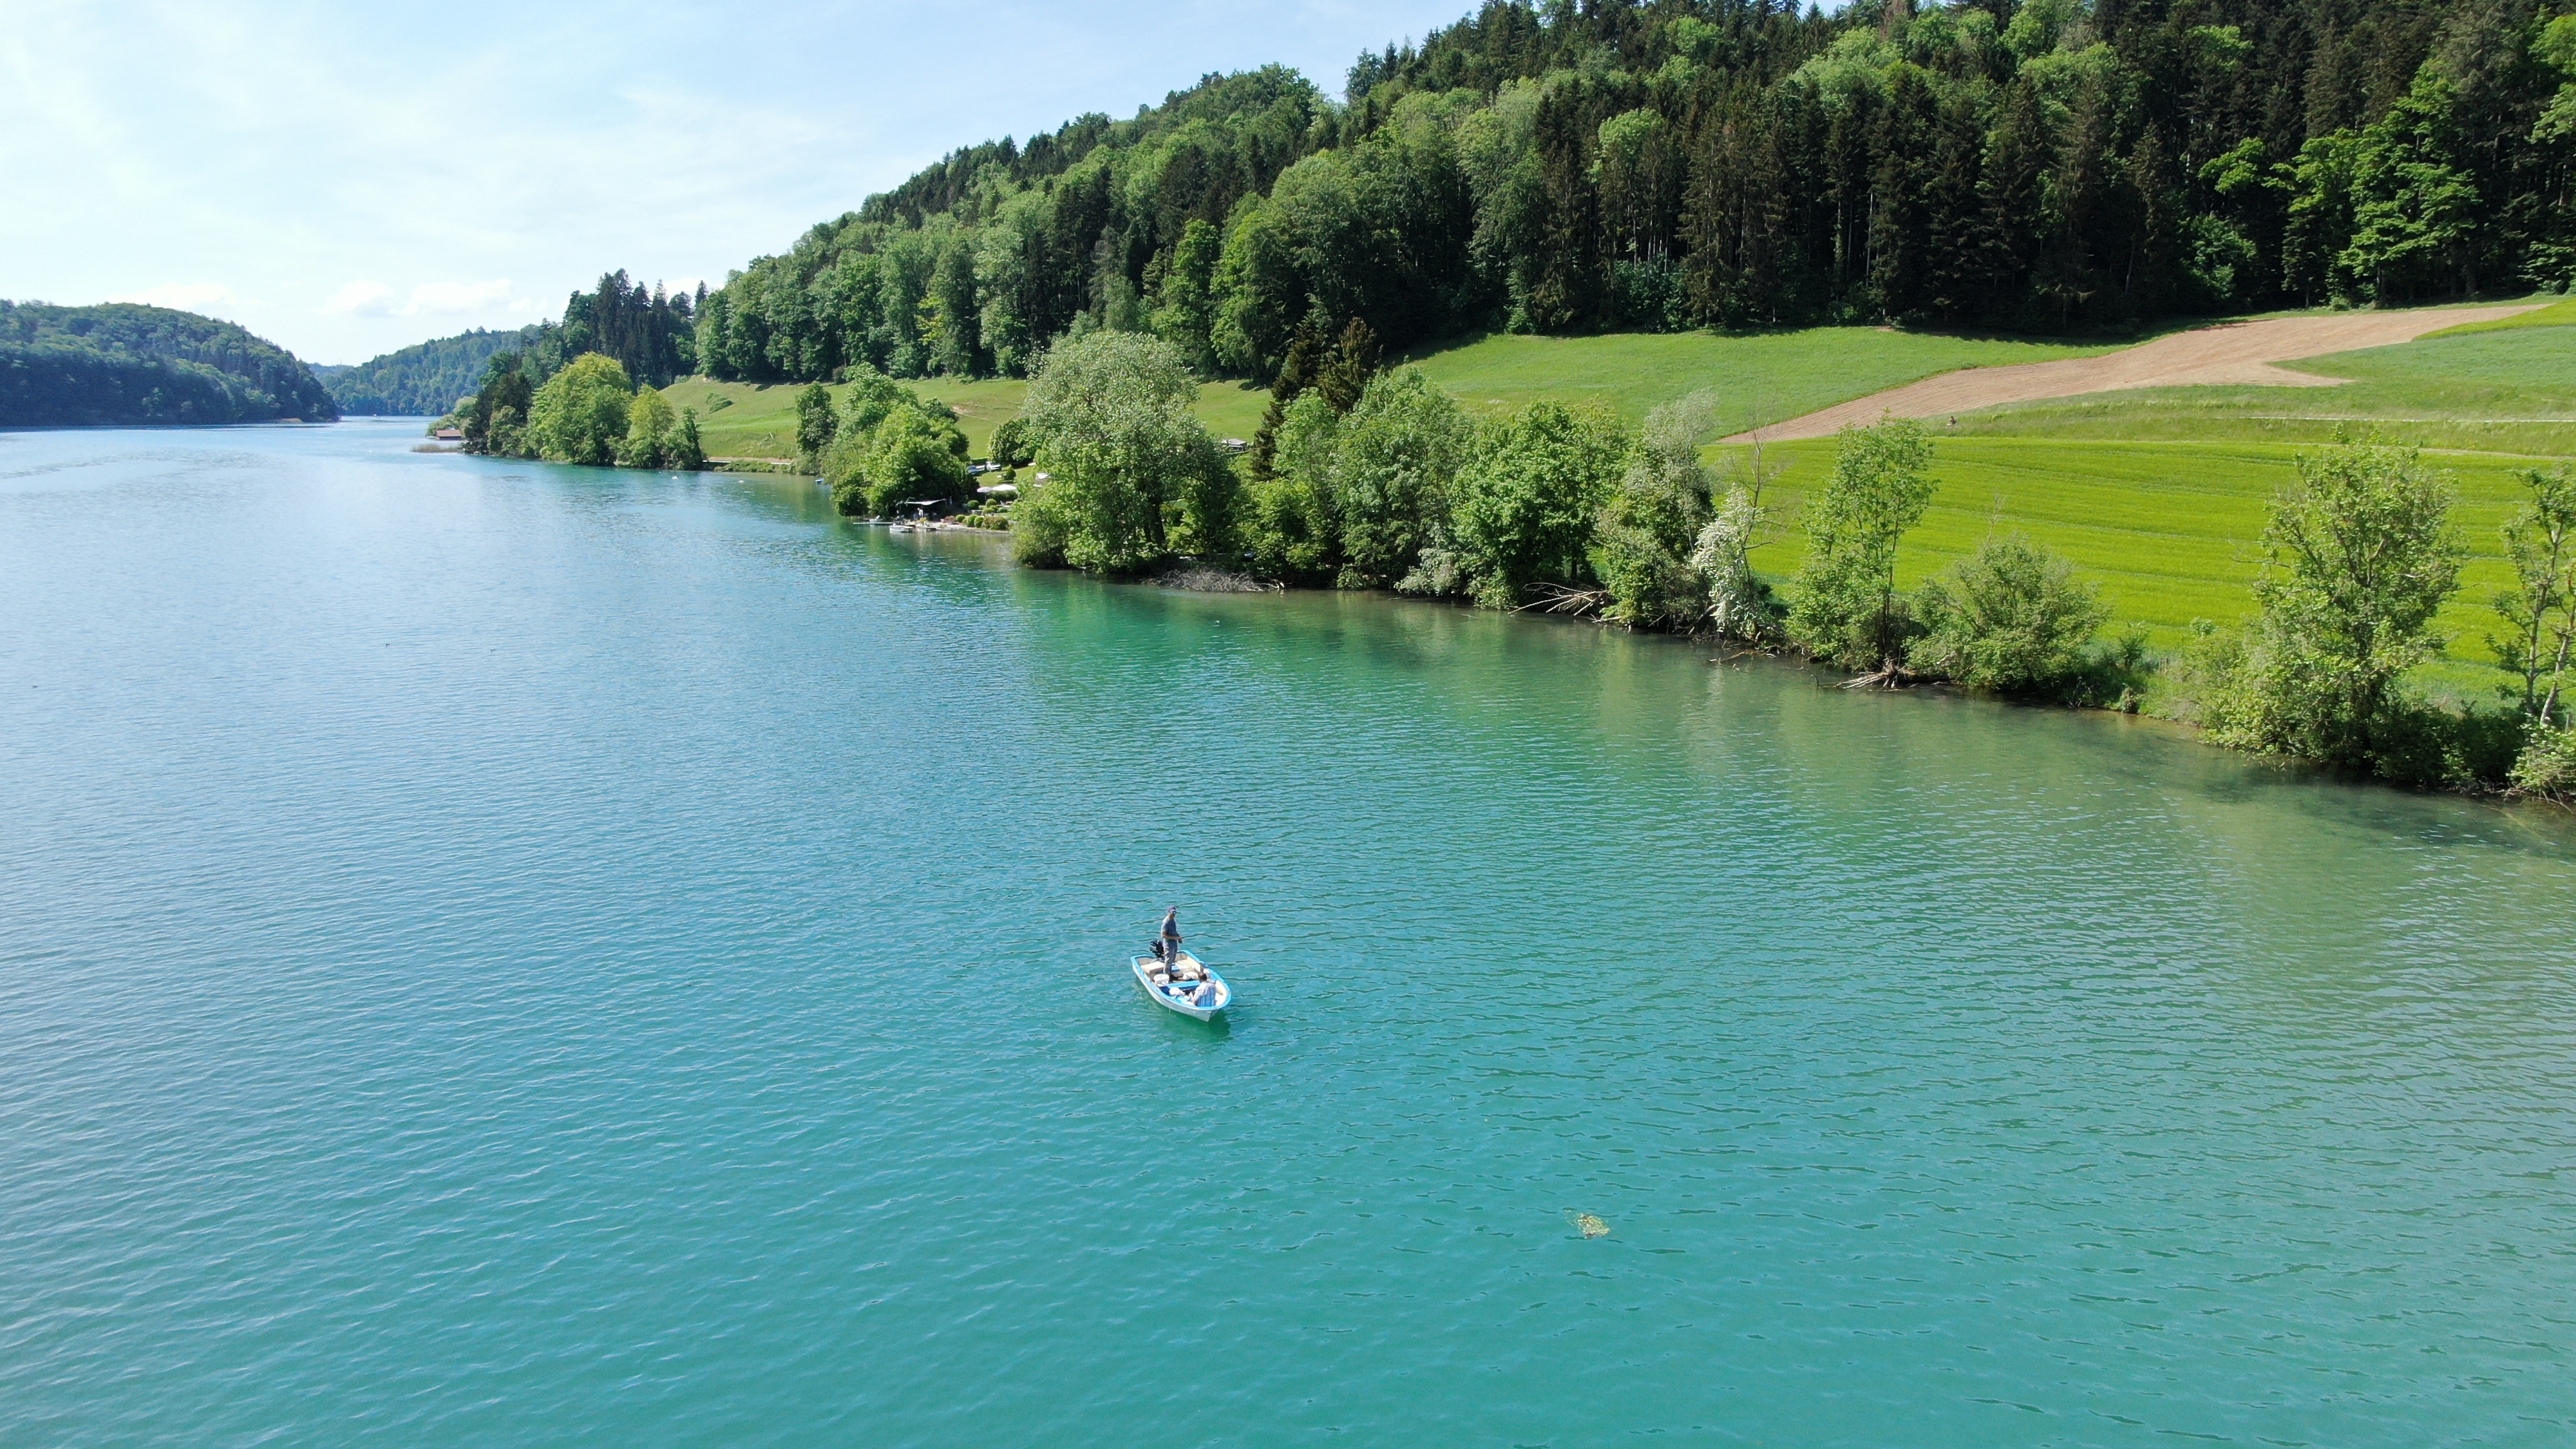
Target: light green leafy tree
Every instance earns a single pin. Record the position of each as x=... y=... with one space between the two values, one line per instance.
x=870 y=399
x=1527 y=498
x=2553 y=260
x=1638 y=168
x=892 y=446
x=2361 y=557
x=579 y=416
x=1845 y=609
x=2415 y=207
x=1394 y=474
x=1011 y=446
x=1647 y=531
x=2538 y=643
x=1258 y=293
x=1136 y=476
x=2320 y=185
x=649 y=426
x=1296 y=523
x=1184 y=305
x=688 y=453
x=951 y=322
x=907 y=458
x=816 y=424
x=1008 y=275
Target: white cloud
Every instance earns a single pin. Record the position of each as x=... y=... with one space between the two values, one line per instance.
x=362 y=299
x=185 y=296
x=449 y=299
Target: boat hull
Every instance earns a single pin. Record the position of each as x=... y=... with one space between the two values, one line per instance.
x=1144 y=968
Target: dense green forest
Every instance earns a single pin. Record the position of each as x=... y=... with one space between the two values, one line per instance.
x=125 y=363
x=425 y=379
x=2047 y=165
x=648 y=331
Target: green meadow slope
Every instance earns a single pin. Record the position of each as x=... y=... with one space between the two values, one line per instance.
x=2161 y=493
x=758 y=420
x=2169 y=529
x=1763 y=376
x=1775 y=375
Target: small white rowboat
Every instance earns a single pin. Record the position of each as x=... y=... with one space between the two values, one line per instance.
x=1201 y=999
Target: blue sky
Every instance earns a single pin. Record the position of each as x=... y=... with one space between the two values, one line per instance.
x=347 y=179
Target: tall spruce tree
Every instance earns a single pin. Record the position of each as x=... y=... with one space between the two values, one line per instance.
x=1305 y=359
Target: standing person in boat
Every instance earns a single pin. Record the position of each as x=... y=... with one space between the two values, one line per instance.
x=1170 y=940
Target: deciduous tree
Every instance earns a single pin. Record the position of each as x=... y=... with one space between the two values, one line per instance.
x=1845 y=609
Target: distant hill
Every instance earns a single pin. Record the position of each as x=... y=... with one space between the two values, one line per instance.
x=426 y=378
x=127 y=363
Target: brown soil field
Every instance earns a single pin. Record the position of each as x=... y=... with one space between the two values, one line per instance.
x=2234 y=352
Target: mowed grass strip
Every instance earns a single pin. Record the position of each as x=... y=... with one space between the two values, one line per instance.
x=1761 y=377
x=2172 y=531
x=2504 y=391
x=2556 y=314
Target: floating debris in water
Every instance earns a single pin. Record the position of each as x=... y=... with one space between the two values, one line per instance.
x=1591 y=1225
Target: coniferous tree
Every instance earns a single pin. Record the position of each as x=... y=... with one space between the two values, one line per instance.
x=1346 y=373
x=1956 y=272
x=1900 y=227
x=1305 y=359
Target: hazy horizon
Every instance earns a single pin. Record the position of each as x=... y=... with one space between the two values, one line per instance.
x=348 y=183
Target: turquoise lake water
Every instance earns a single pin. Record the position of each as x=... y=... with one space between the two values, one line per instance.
x=494 y=954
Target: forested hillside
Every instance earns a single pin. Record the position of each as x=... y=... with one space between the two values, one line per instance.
x=126 y=363
x=2043 y=166
x=648 y=331
x=425 y=379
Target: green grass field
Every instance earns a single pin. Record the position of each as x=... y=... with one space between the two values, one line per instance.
x=758 y=420
x=2161 y=493
x=2556 y=314
x=2169 y=529
x=1763 y=377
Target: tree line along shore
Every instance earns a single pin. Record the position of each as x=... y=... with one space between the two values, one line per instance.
x=1364 y=475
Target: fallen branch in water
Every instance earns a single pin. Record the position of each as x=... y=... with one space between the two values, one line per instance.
x=1890 y=675
x=1216 y=581
x=1563 y=599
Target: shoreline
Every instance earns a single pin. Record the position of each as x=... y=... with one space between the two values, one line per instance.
x=2501 y=796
